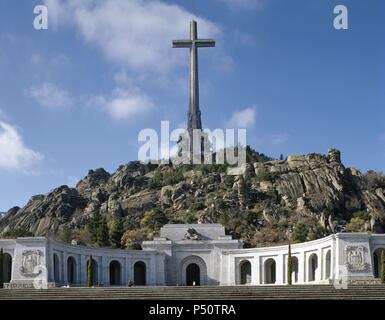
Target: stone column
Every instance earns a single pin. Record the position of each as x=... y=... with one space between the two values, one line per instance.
x=105 y=276
x=301 y=267
x=83 y=270
x=318 y=274
x=280 y=266
x=256 y=271
x=65 y=270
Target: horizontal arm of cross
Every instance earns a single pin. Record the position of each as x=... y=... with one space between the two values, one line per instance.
x=188 y=43
x=181 y=44
x=205 y=43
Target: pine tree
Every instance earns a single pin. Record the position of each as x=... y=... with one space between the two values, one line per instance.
x=94 y=225
x=1 y=268
x=383 y=266
x=116 y=233
x=289 y=266
x=102 y=233
x=90 y=272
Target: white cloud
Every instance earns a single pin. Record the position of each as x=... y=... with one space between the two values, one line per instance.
x=50 y=96
x=242 y=4
x=135 y=33
x=280 y=138
x=244 y=118
x=123 y=103
x=14 y=155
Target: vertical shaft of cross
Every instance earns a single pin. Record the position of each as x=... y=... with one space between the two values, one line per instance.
x=194 y=122
x=194 y=116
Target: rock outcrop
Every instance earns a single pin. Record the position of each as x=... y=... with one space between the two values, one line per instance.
x=260 y=205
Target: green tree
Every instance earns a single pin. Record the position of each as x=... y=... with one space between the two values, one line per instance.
x=90 y=271
x=116 y=233
x=94 y=225
x=154 y=219
x=289 y=266
x=383 y=266
x=66 y=234
x=102 y=234
x=300 y=232
x=1 y=268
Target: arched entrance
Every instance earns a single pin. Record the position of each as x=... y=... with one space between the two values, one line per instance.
x=140 y=273
x=71 y=270
x=193 y=275
x=377 y=262
x=192 y=268
x=95 y=271
x=245 y=274
x=328 y=265
x=270 y=271
x=56 y=274
x=115 y=273
x=7 y=268
x=313 y=266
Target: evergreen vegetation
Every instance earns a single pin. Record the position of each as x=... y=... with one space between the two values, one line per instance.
x=116 y=233
x=383 y=266
x=90 y=272
x=289 y=266
x=1 y=268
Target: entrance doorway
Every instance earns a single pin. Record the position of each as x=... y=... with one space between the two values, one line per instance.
x=193 y=275
x=140 y=273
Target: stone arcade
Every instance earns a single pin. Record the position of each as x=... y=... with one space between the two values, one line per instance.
x=199 y=254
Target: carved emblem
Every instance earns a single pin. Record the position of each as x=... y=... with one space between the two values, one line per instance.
x=191 y=234
x=30 y=263
x=355 y=259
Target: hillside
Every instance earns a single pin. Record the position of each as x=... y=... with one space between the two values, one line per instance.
x=313 y=194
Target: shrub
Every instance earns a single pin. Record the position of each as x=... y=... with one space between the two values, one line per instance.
x=383 y=266
x=356 y=224
x=289 y=266
x=132 y=239
x=90 y=272
x=1 y=268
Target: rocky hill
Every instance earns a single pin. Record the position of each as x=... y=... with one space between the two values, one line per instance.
x=309 y=195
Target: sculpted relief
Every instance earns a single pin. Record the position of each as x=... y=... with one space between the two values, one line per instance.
x=192 y=235
x=356 y=259
x=30 y=263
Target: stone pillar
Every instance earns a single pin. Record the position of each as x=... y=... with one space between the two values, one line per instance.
x=65 y=269
x=256 y=271
x=301 y=267
x=318 y=274
x=83 y=270
x=280 y=266
x=105 y=274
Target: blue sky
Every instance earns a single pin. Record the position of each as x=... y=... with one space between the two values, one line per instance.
x=75 y=96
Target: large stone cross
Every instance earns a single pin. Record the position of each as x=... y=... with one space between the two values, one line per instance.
x=194 y=114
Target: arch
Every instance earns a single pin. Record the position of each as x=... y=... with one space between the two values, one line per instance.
x=245 y=272
x=193 y=275
x=294 y=275
x=56 y=273
x=184 y=265
x=7 y=267
x=95 y=269
x=377 y=262
x=140 y=273
x=328 y=265
x=115 y=273
x=71 y=270
x=270 y=271
x=313 y=266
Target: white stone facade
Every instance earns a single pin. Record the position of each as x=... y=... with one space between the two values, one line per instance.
x=196 y=254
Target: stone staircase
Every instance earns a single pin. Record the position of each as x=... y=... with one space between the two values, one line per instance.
x=372 y=292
